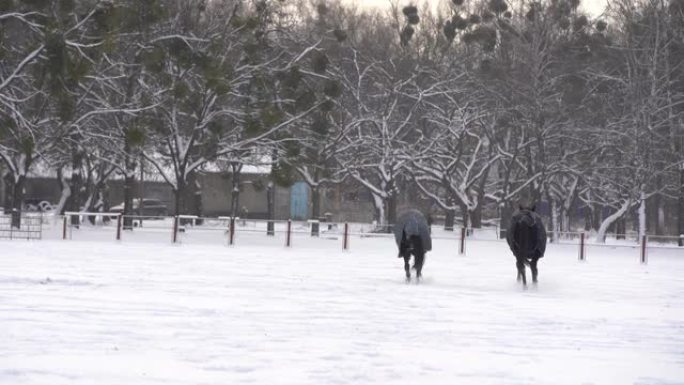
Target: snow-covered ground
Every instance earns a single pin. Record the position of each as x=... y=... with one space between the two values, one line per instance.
x=80 y=312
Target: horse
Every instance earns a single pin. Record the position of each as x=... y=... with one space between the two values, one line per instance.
x=412 y=234
x=412 y=245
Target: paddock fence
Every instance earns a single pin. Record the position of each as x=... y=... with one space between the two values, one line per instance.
x=30 y=227
x=235 y=231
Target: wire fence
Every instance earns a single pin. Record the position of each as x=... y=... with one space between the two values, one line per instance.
x=30 y=227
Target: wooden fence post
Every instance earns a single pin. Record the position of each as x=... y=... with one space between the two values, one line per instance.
x=289 y=231
x=644 y=256
x=118 y=227
x=175 y=229
x=345 y=244
x=64 y=228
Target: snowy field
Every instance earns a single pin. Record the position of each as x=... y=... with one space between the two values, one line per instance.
x=80 y=312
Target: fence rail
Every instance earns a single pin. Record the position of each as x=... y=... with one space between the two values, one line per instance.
x=230 y=230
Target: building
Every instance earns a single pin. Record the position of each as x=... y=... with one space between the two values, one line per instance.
x=347 y=202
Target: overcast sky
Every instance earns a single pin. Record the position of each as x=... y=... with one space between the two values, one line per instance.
x=594 y=7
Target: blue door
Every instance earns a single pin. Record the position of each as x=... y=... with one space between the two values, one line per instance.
x=299 y=201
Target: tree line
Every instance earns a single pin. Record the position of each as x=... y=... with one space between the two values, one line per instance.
x=473 y=103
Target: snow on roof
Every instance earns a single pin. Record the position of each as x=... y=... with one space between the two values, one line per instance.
x=42 y=169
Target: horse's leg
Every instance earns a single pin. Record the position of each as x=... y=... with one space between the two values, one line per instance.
x=407 y=268
x=520 y=265
x=420 y=258
x=533 y=267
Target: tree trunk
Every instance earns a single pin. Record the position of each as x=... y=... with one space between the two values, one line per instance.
x=177 y=202
x=449 y=218
x=89 y=187
x=476 y=217
x=315 y=202
x=96 y=200
x=88 y=205
x=598 y=217
x=235 y=192
x=90 y=193
x=179 y=195
x=449 y=215
x=603 y=229
x=2 y=187
x=181 y=201
x=620 y=229
x=642 y=215
x=553 y=218
x=391 y=212
x=128 y=191
x=65 y=192
x=196 y=197
x=197 y=208
x=18 y=201
x=106 y=199
x=588 y=218
x=465 y=216
x=506 y=211
x=656 y=213
x=680 y=206
x=129 y=185
x=379 y=204
x=660 y=219
x=270 y=202
x=8 y=189
x=76 y=185
x=562 y=220
x=476 y=214
x=566 y=208
x=315 y=209
x=141 y=192
x=102 y=205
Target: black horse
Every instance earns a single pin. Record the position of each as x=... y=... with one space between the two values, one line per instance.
x=527 y=239
x=412 y=234
x=412 y=246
